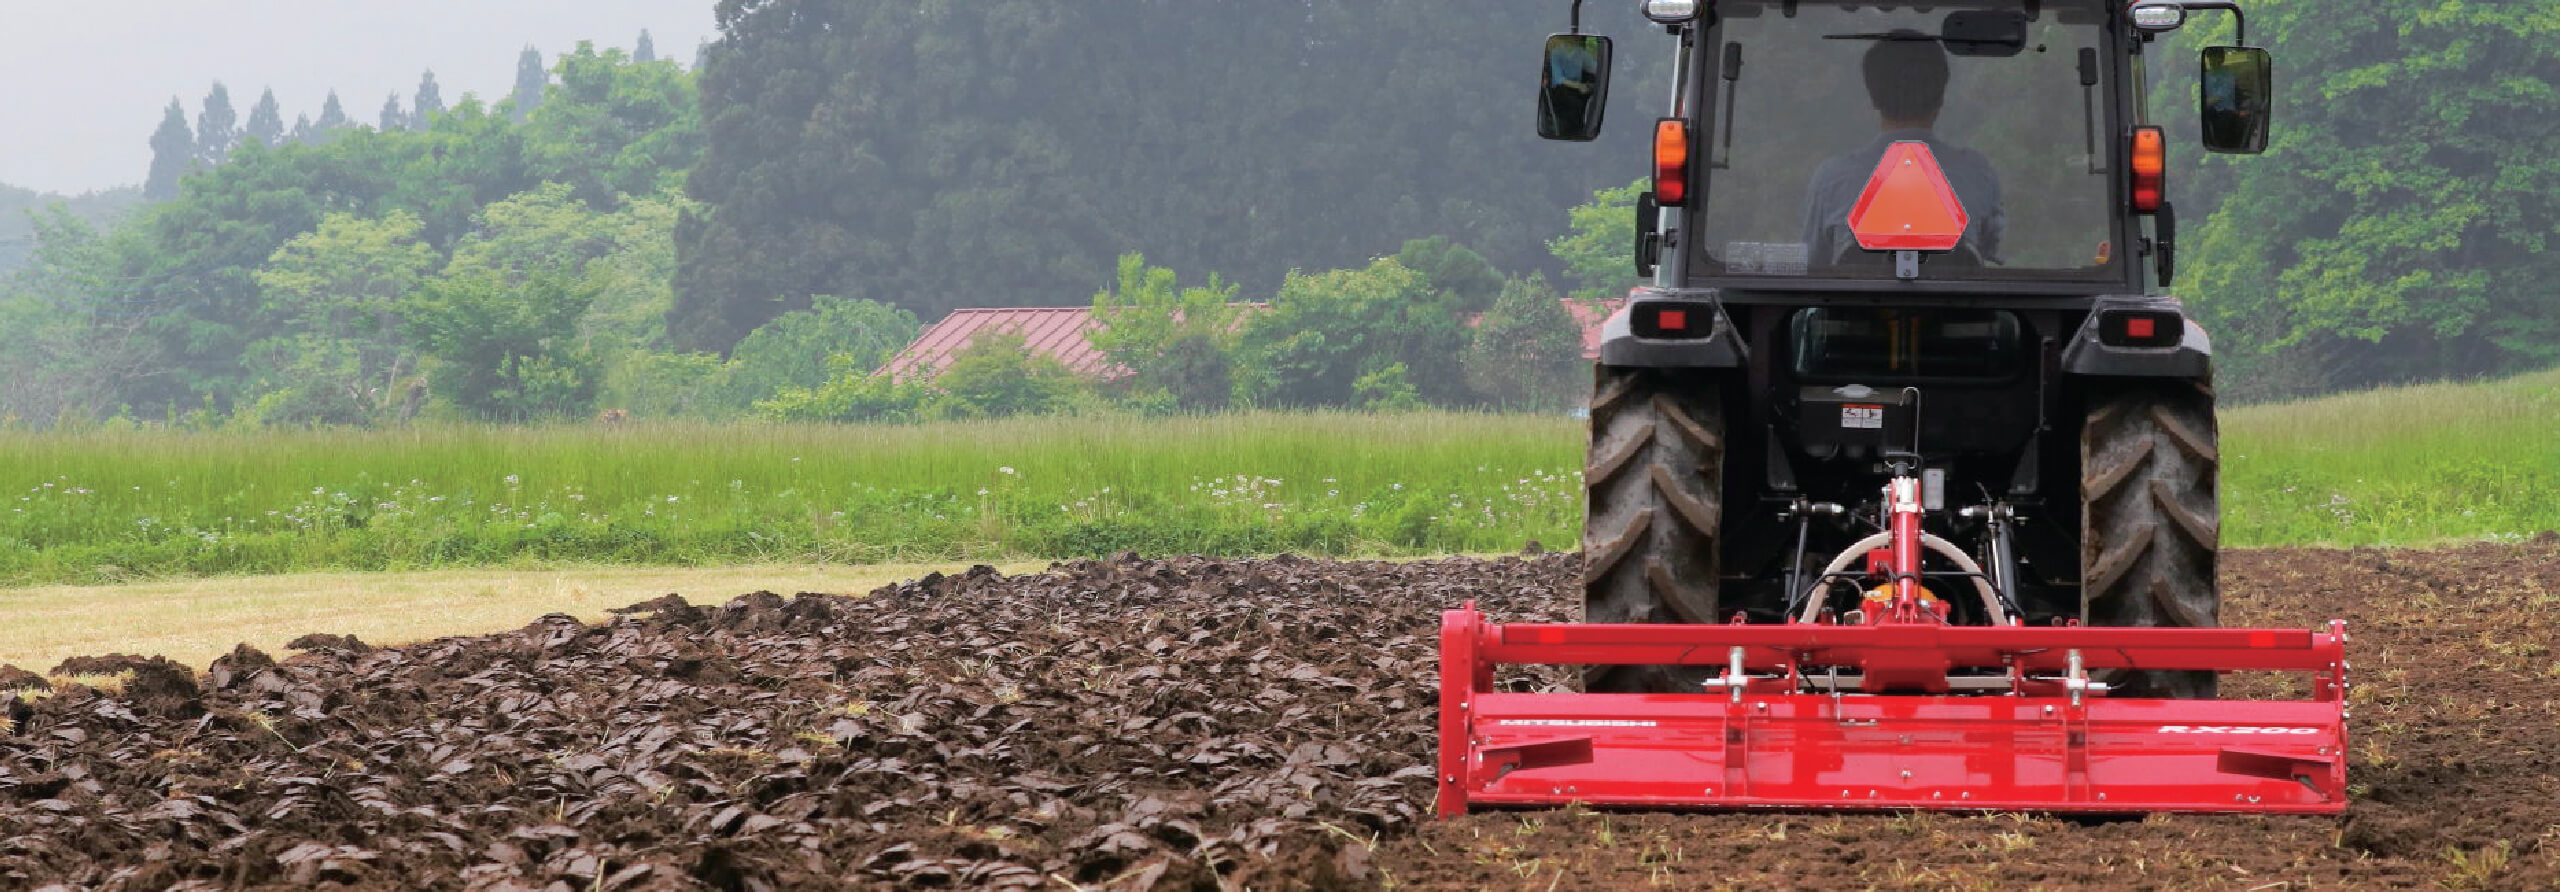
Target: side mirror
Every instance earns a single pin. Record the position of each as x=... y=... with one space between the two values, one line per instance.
x=2238 y=91
x=1573 y=87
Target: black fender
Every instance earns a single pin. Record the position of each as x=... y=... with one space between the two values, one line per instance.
x=2191 y=357
x=1721 y=347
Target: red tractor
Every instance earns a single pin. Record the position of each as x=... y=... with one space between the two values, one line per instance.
x=1902 y=471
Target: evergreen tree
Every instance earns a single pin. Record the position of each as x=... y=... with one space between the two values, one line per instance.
x=218 y=128
x=266 y=121
x=333 y=116
x=646 y=51
x=393 y=118
x=429 y=104
x=173 y=150
x=301 y=132
x=531 y=78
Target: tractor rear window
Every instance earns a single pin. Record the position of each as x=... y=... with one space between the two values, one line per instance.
x=1820 y=91
x=1877 y=346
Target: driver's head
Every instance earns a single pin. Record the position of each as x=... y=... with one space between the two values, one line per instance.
x=1907 y=76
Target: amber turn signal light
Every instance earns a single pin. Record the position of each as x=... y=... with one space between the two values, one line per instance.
x=2150 y=169
x=1671 y=162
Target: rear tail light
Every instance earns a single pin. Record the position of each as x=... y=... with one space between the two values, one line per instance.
x=2150 y=169
x=2141 y=328
x=1671 y=162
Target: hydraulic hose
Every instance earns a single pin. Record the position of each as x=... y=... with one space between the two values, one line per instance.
x=1990 y=598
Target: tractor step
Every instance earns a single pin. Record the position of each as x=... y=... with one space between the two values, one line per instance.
x=1777 y=730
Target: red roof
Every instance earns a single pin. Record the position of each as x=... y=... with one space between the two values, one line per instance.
x=1590 y=316
x=1055 y=332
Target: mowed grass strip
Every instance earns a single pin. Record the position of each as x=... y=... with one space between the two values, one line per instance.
x=194 y=621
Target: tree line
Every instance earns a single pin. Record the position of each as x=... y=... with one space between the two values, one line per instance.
x=752 y=235
x=2402 y=224
x=178 y=149
x=516 y=262
x=1435 y=325
x=1005 y=153
x=933 y=156
x=484 y=261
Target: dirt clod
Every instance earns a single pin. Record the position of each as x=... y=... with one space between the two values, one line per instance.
x=1179 y=724
x=328 y=642
x=13 y=678
x=110 y=664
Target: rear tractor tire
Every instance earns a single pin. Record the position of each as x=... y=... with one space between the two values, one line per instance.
x=2151 y=521
x=1654 y=476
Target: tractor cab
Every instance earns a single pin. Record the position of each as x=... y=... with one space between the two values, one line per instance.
x=1987 y=146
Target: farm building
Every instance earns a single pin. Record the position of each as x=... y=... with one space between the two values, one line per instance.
x=1061 y=333
x=1056 y=332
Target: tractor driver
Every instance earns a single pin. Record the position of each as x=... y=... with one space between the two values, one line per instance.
x=1906 y=73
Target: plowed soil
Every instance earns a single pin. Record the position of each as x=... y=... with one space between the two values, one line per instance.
x=1183 y=724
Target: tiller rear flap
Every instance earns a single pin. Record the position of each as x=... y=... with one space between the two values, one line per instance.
x=1891 y=716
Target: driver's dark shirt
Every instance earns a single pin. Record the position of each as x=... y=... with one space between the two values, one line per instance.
x=1836 y=185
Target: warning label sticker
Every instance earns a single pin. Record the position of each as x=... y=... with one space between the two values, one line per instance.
x=1854 y=417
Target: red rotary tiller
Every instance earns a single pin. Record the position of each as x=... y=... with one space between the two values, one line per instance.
x=1890 y=707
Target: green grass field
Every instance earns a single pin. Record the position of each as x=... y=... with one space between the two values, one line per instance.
x=2407 y=466
x=105 y=507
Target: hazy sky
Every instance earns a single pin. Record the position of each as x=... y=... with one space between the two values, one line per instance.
x=84 y=82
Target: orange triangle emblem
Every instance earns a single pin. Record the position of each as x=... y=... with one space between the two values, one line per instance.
x=1908 y=204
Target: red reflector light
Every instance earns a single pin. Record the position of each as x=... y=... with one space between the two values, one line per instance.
x=1671 y=319
x=2149 y=329
x=1671 y=162
x=2150 y=169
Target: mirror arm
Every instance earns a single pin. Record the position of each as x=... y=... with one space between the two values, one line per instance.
x=2239 y=20
x=1577 y=16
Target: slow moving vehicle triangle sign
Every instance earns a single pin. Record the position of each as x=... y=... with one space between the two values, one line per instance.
x=1908 y=204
